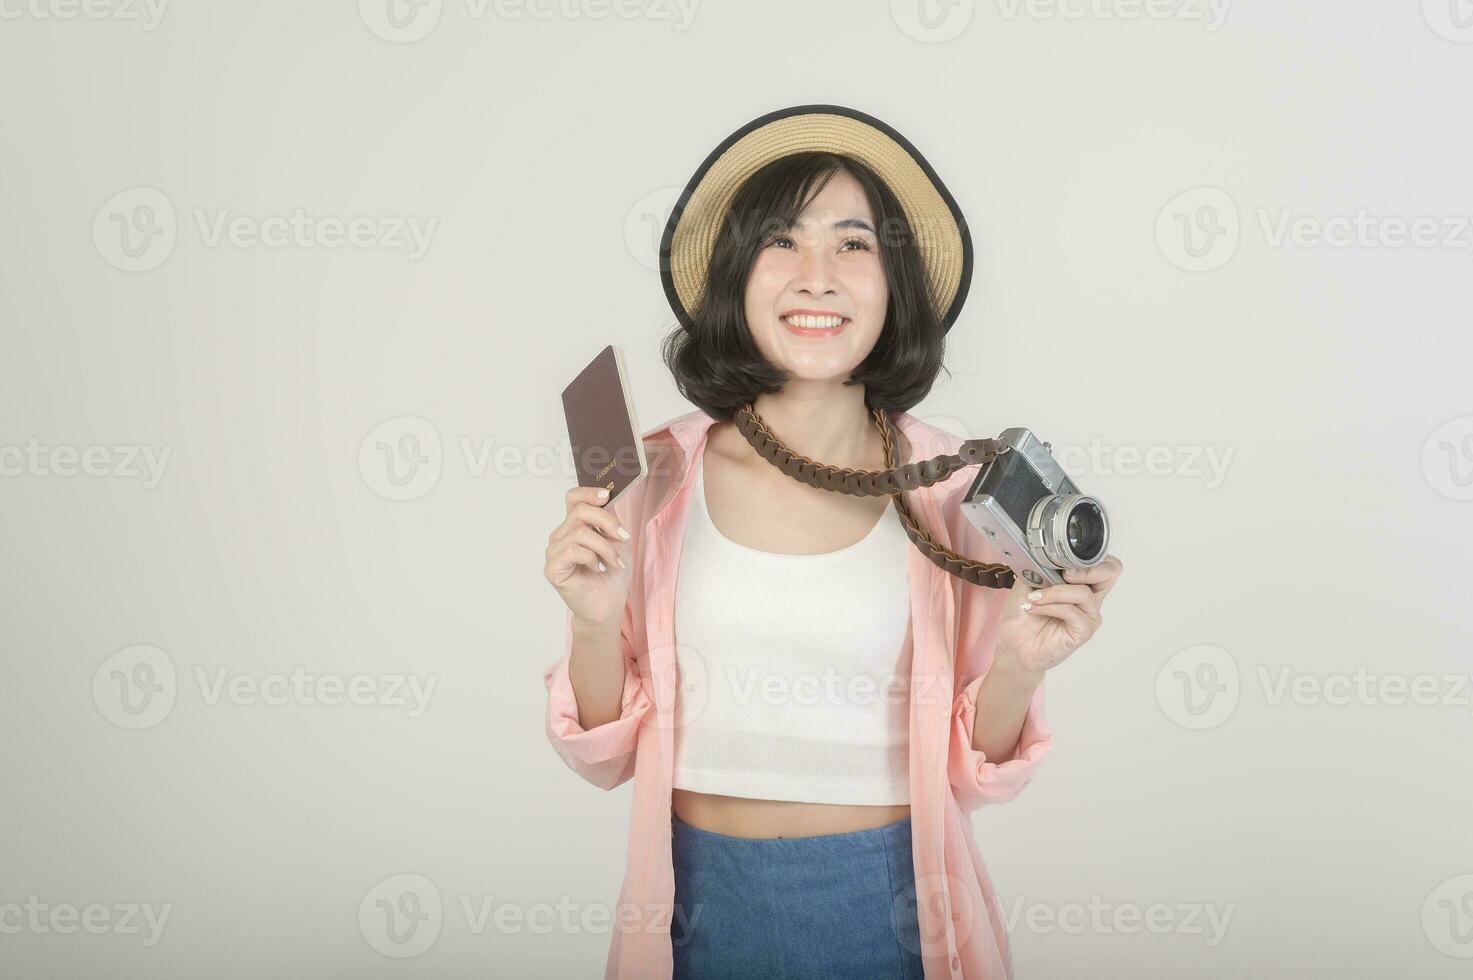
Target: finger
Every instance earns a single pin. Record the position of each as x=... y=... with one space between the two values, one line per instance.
x=1076 y=595
x=597 y=543
x=1100 y=577
x=1061 y=593
x=585 y=495
x=1072 y=616
x=1104 y=588
x=1017 y=595
x=604 y=519
x=1092 y=576
x=584 y=514
x=566 y=560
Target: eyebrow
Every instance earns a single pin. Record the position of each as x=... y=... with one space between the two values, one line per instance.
x=858 y=223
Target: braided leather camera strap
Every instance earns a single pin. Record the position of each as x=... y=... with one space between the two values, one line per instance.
x=872 y=483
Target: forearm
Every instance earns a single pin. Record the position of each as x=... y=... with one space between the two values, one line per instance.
x=596 y=670
x=1002 y=705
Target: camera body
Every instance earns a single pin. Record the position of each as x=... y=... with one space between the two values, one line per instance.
x=1026 y=505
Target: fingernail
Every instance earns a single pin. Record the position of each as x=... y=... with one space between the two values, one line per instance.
x=620 y=561
x=601 y=567
x=1035 y=594
x=602 y=493
x=1026 y=606
x=623 y=534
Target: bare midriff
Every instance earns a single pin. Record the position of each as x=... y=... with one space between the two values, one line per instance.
x=738 y=816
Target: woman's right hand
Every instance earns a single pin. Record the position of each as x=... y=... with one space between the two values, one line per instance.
x=588 y=536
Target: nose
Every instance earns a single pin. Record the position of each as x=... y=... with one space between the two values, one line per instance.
x=815 y=275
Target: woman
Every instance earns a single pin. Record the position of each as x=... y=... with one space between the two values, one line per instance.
x=809 y=716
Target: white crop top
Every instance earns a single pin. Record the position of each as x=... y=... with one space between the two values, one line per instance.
x=794 y=669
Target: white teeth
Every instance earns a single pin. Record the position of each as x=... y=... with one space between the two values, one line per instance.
x=814 y=322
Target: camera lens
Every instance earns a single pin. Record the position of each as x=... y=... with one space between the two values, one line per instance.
x=1068 y=530
x=1086 y=530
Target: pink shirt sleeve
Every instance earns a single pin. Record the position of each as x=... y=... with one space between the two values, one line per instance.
x=975 y=779
x=603 y=755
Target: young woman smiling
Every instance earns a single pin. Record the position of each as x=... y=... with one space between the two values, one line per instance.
x=781 y=703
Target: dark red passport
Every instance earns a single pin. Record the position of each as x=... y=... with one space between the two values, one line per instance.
x=608 y=448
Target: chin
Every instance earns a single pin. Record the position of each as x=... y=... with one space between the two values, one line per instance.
x=826 y=370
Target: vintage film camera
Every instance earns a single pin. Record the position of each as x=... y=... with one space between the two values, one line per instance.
x=1034 y=514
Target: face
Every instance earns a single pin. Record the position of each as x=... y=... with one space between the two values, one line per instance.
x=816 y=297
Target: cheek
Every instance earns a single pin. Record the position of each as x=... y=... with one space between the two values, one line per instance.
x=761 y=284
x=871 y=290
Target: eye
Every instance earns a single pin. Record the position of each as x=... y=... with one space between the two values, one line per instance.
x=864 y=245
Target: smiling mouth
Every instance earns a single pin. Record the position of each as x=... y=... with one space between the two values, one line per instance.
x=815 y=326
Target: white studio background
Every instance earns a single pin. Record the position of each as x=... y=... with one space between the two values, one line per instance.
x=251 y=254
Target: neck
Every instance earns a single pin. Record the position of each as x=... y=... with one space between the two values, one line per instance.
x=829 y=423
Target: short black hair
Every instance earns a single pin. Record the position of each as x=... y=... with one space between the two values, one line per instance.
x=717 y=365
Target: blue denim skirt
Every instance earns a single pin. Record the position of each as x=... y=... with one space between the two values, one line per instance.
x=806 y=908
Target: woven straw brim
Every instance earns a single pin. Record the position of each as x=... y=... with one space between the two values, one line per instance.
x=936 y=222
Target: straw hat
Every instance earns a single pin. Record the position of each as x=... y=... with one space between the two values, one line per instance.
x=937 y=223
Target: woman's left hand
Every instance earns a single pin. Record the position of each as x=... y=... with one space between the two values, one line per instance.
x=1042 y=627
